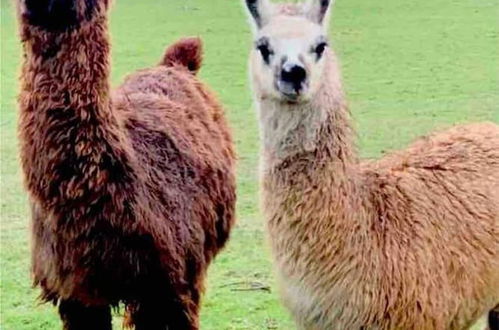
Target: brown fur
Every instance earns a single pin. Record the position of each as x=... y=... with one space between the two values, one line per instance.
x=407 y=242
x=188 y=54
x=132 y=194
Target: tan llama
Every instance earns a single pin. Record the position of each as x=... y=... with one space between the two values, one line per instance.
x=407 y=242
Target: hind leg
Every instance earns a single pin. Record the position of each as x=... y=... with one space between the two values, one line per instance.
x=76 y=316
x=494 y=319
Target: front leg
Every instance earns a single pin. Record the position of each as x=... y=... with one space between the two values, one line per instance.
x=77 y=316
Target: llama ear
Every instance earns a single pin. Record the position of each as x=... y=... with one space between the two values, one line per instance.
x=259 y=12
x=318 y=11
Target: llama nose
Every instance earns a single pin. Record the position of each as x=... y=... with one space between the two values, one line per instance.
x=294 y=75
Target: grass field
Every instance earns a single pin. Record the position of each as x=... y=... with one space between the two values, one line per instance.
x=408 y=67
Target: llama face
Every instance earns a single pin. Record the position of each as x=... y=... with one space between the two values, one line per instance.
x=287 y=61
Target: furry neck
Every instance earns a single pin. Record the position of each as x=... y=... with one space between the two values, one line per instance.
x=311 y=181
x=310 y=176
x=72 y=147
x=318 y=131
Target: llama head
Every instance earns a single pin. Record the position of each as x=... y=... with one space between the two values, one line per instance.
x=287 y=61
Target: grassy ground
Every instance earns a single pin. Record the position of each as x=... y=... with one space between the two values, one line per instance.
x=409 y=68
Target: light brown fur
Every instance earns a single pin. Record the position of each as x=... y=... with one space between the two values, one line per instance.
x=407 y=242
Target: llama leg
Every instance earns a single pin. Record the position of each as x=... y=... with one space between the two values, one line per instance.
x=76 y=316
x=494 y=319
x=161 y=314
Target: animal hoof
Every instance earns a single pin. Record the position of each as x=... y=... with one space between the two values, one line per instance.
x=57 y=15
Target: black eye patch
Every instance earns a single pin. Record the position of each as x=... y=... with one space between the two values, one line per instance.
x=263 y=46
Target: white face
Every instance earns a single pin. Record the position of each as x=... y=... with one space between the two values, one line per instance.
x=289 y=52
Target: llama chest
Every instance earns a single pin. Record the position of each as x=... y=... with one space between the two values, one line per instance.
x=320 y=291
x=317 y=303
x=320 y=265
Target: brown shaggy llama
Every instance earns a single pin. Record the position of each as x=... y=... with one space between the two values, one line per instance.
x=407 y=242
x=132 y=194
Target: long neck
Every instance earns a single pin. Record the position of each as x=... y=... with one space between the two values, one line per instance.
x=310 y=137
x=312 y=190
x=71 y=147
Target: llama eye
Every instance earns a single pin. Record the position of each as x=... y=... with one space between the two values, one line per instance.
x=262 y=45
x=320 y=48
x=265 y=52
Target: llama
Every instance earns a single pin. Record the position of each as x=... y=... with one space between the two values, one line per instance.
x=407 y=242
x=132 y=193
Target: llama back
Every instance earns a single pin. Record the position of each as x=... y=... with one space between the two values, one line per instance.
x=177 y=129
x=440 y=197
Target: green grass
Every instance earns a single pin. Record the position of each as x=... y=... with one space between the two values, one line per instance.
x=408 y=67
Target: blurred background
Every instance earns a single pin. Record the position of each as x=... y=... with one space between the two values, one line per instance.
x=409 y=67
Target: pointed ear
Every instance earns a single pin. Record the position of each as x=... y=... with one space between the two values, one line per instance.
x=318 y=11
x=259 y=12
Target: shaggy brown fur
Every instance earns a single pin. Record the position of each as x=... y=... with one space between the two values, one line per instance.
x=132 y=194
x=407 y=242
x=188 y=54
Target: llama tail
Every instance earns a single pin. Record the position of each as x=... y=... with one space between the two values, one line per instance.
x=186 y=52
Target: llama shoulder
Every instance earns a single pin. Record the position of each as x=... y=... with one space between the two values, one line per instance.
x=452 y=175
